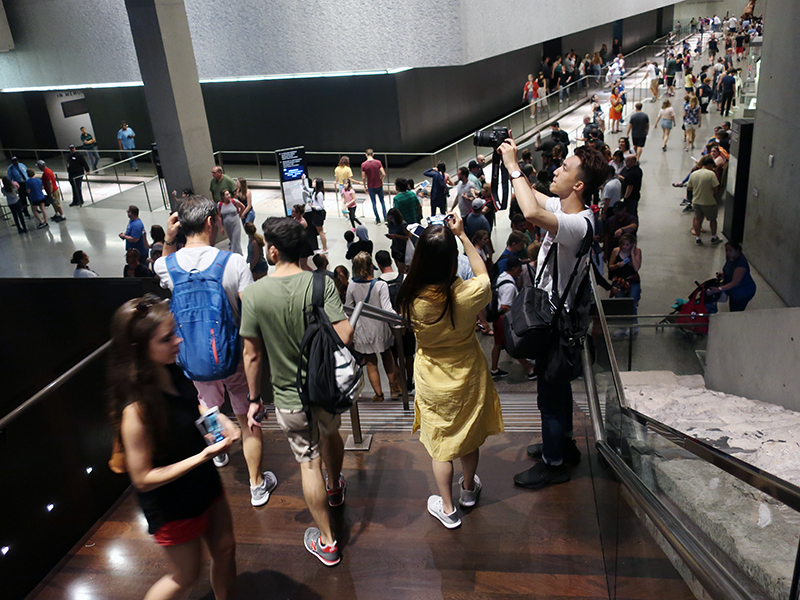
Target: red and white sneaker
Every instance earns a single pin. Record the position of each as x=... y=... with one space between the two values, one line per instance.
x=327 y=555
x=336 y=495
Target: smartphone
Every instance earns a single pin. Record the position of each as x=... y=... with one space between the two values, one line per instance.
x=439 y=219
x=208 y=423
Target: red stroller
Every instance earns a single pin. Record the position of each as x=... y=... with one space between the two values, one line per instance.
x=700 y=302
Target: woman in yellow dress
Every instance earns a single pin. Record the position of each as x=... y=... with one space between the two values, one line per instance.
x=456 y=406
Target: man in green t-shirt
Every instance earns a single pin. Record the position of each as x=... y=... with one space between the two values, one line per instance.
x=406 y=201
x=273 y=313
x=219 y=183
x=704 y=184
x=90 y=145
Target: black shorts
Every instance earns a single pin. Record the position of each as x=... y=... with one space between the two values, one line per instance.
x=670 y=80
x=399 y=256
x=316 y=217
x=639 y=141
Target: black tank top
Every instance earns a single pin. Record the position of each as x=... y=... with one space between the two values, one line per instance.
x=191 y=495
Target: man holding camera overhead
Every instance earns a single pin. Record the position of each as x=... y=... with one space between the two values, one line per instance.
x=564 y=218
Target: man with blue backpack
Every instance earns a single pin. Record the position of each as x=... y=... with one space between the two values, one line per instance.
x=207 y=285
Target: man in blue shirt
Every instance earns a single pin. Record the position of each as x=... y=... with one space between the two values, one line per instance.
x=125 y=138
x=35 y=189
x=18 y=172
x=134 y=233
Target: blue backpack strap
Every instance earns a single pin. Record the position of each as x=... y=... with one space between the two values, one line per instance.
x=217 y=268
x=215 y=271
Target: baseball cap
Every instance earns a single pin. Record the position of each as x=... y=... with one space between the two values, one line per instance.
x=40 y=163
x=71 y=146
x=478 y=204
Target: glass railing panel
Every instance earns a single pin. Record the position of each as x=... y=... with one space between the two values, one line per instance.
x=752 y=535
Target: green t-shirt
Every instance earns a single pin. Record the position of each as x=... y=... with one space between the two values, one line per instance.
x=702 y=183
x=273 y=309
x=217 y=187
x=85 y=137
x=407 y=203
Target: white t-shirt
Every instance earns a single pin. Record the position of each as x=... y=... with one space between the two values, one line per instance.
x=571 y=230
x=465 y=206
x=235 y=278
x=83 y=273
x=732 y=23
x=651 y=73
x=612 y=190
x=505 y=293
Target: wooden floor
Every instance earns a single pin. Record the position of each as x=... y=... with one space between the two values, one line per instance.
x=515 y=543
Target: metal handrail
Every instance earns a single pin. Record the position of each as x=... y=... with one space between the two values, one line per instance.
x=711 y=574
x=52 y=386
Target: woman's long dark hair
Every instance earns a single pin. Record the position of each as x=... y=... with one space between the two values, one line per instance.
x=131 y=373
x=434 y=265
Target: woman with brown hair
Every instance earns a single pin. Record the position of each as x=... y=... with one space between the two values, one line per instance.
x=372 y=338
x=245 y=196
x=153 y=408
x=255 y=252
x=456 y=406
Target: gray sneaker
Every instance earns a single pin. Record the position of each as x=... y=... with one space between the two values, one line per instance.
x=468 y=498
x=435 y=507
x=259 y=495
x=221 y=460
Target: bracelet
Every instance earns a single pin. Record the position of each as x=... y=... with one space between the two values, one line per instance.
x=256 y=399
x=172 y=243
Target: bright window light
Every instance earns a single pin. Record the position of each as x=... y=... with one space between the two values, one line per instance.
x=4 y=550
x=89 y=470
x=50 y=507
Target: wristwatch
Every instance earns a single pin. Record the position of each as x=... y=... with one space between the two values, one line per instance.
x=256 y=399
x=515 y=174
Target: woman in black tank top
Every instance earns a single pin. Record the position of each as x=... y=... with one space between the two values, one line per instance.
x=153 y=411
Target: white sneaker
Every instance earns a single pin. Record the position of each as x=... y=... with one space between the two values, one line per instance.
x=436 y=508
x=221 y=460
x=259 y=495
x=468 y=498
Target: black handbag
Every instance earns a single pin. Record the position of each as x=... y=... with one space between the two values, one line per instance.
x=535 y=325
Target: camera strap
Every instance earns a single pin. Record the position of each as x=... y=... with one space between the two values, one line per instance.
x=500 y=182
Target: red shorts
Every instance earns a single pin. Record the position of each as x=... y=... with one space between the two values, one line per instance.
x=499 y=333
x=184 y=530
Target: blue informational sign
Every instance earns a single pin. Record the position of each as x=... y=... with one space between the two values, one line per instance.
x=292 y=168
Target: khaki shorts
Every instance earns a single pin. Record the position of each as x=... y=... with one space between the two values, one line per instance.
x=304 y=438
x=56 y=195
x=708 y=211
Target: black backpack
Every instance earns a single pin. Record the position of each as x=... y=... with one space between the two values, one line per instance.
x=394 y=287
x=493 y=310
x=333 y=374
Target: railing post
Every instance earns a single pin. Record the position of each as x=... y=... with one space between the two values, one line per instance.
x=89 y=187
x=260 y=172
x=147 y=195
x=117 y=176
x=401 y=364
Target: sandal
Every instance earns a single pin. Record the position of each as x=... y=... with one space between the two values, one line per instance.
x=377 y=398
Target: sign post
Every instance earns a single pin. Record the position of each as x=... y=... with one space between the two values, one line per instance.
x=291 y=168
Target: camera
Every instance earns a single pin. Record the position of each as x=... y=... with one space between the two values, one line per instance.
x=439 y=219
x=492 y=138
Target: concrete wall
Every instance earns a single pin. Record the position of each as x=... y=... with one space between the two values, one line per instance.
x=61 y=42
x=771 y=239
x=755 y=354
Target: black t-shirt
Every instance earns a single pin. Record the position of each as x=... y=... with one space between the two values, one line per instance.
x=640 y=123
x=713 y=46
x=359 y=246
x=188 y=496
x=632 y=177
x=740 y=41
x=728 y=82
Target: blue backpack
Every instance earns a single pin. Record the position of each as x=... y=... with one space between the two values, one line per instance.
x=204 y=319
